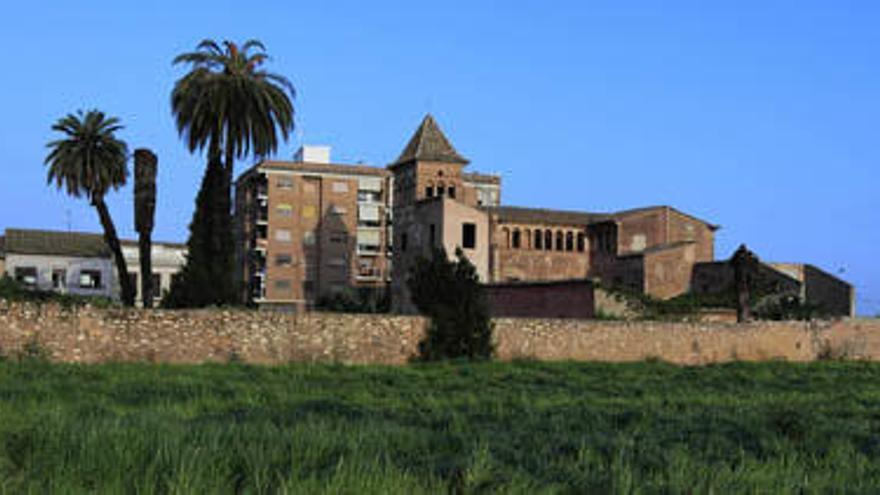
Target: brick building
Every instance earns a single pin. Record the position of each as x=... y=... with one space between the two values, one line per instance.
x=309 y=228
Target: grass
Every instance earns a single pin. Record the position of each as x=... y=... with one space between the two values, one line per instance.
x=463 y=428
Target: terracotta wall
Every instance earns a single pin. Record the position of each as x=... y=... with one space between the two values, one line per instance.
x=563 y=299
x=92 y=335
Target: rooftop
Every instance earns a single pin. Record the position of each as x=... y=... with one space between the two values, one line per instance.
x=429 y=144
x=57 y=243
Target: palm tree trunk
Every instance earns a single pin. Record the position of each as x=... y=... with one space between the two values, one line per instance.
x=116 y=248
x=145 y=251
x=145 y=170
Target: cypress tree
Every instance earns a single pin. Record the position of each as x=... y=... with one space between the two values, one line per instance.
x=207 y=277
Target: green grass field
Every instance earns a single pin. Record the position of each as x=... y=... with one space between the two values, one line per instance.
x=520 y=427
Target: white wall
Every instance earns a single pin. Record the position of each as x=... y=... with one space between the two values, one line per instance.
x=46 y=264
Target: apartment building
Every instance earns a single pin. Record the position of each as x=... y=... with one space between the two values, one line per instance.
x=309 y=228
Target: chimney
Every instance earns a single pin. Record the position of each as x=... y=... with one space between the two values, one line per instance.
x=312 y=154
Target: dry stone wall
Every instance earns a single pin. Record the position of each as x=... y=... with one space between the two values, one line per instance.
x=97 y=335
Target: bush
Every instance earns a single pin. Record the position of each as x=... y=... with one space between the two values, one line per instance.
x=11 y=290
x=356 y=301
x=450 y=294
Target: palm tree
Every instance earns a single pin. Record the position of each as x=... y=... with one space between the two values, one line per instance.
x=228 y=103
x=89 y=161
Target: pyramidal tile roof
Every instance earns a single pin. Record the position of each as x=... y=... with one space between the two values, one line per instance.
x=429 y=143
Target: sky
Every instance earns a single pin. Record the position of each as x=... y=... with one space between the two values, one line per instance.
x=760 y=116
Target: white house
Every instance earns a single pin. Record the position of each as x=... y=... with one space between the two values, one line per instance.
x=81 y=263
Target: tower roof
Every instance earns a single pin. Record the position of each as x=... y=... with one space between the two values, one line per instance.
x=429 y=143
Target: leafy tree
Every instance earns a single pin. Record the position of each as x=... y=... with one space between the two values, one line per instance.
x=145 y=168
x=449 y=293
x=89 y=161
x=228 y=104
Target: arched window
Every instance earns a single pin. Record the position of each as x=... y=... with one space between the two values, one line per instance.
x=429 y=190
x=515 y=242
x=559 y=241
x=548 y=240
x=505 y=233
x=441 y=189
x=451 y=191
x=581 y=242
x=538 y=238
x=569 y=241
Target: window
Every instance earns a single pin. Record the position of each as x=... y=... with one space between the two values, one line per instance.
x=369 y=196
x=581 y=241
x=559 y=241
x=569 y=241
x=59 y=279
x=283 y=235
x=429 y=192
x=309 y=211
x=338 y=210
x=548 y=240
x=282 y=284
x=516 y=240
x=538 y=239
x=284 y=183
x=468 y=236
x=451 y=192
x=284 y=210
x=441 y=190
x=156 y=282
x=340 y=187
x=26 y=275
x=283 y=259
x=90 y=279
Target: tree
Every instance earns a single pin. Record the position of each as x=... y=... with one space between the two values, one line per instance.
x=199 y=284
x=232 y=107
x=745 y=266
x=145 y=168
x=89 y=161
x=449 y=293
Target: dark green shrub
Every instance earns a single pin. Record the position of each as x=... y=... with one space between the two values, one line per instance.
x=449 y=293
x=362 y=300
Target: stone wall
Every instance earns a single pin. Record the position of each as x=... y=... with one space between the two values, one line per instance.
x=93 y=335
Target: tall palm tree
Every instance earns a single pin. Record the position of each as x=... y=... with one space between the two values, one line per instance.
x=89 y=161
x=228 y=103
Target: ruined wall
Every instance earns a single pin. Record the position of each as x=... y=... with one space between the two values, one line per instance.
x=668 y=271
x=562 y=299
x=831 y=294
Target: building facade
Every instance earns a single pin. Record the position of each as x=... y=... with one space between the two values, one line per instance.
x=81 y=264
x=308 y=228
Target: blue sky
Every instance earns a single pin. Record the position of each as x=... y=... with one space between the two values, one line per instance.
x=760 y=116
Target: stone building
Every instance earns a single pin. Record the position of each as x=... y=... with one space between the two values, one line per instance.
x=81 y=263
x=308 y=228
